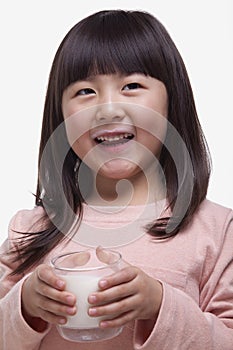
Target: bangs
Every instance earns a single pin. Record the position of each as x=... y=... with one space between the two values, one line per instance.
x=110 y=44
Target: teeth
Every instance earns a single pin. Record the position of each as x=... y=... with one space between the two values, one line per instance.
x=114 y=138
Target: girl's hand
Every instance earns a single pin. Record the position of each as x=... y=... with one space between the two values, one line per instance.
x=129 y=294
x=44 y=297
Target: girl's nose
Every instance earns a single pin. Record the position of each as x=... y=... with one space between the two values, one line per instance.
x=111 y=111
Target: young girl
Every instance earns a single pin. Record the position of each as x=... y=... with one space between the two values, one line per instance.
x=122 y=163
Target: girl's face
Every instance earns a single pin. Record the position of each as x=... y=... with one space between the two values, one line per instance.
x=115 y=123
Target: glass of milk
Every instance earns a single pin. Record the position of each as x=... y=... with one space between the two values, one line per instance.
x=82 y=271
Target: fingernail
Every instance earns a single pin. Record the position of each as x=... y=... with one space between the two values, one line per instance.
x=71 y=310
x=92 y=299
x=60 y=283
x=92 y=311
x=103 y=283
x=70 y=299
x=62 y=321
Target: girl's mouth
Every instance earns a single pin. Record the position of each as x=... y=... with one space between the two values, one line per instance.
x=112 y=139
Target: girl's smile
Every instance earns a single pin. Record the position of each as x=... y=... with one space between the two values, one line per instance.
x=114 y=139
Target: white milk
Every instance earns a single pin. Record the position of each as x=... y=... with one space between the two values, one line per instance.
x=82 y=286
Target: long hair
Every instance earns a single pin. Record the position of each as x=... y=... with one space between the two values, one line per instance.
x=109 y=42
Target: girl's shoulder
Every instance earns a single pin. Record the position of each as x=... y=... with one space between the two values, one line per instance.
x=27 y=220
x=212 y=209
x=212 y=216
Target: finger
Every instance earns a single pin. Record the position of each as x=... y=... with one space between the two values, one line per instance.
x=56 y=308
x=75 y=259
x=114 y=293
x=123 y=276
x=115 y=308
x=119 y=321
x=107 y=256
x=110 y=257
x=46 y=274
x=63 y=297
x=52 y=318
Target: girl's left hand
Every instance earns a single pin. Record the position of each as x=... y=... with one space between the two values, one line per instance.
x=129 y=294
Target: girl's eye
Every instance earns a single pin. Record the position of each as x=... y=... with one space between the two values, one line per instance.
x=86 y=91
x=132 y=86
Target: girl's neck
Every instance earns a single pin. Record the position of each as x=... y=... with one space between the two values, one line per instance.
x=138 y=190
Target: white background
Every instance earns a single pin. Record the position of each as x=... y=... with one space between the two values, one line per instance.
x=30 y=33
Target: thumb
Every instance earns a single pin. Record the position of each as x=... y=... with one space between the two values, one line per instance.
x=109 y=256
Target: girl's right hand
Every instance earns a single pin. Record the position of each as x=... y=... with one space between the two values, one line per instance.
x=44 y=297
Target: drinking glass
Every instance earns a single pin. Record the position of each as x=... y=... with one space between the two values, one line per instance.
x=82 y=271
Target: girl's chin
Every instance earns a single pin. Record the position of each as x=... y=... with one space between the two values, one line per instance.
x=118 y=169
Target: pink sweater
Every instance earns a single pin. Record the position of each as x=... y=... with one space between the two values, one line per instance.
x=196 y=271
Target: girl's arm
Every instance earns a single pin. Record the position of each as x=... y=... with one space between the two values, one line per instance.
x=15 y=332
x=175 y=320
x=183 y=324
x=29 y=303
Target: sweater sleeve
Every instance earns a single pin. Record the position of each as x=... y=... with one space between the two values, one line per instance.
x=15 y=333
x=183 y=324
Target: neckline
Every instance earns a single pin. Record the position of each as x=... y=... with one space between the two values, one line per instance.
x=123 y=213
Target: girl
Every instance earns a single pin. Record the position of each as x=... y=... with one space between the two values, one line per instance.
x=118 y=100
